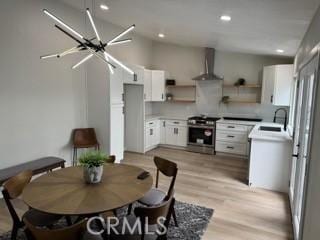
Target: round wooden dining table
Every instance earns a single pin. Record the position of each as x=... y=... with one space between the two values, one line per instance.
x=65 y=192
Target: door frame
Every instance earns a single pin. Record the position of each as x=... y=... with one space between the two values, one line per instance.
x=315 y=53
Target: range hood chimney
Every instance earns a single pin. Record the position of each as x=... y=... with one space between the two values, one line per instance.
x=209 y=67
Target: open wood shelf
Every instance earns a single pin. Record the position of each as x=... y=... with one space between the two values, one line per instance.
x=243 y=101
x=182 y=100
x=181 y=86
x=242 y=86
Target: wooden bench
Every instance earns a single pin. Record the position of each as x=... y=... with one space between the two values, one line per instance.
x=37 y=166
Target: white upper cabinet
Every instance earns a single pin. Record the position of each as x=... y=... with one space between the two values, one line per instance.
x=147 y=85
x=137 y=78
x=277 y=84
x=116 y=86
x=158 y=86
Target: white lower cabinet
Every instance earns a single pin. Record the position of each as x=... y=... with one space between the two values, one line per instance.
x=166 y=132
x=152 y=134
x=117 y=131
x=232 y=138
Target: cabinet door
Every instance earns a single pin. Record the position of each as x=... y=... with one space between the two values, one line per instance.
x=138 y=76
x=147 y=85
x=117 y=131
x=162 y=132
x=156 y=136
x=283 y=85
x=148 y=138
x=268 y=85
x=158 y=86
x=116 y=86
x=181 y=136
x=171 y=136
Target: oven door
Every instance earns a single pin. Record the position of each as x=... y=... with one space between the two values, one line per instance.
x=201 y=136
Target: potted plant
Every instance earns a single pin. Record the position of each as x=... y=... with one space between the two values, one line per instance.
x=92 y=162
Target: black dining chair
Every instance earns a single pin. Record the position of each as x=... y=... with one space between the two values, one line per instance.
x=12 y=189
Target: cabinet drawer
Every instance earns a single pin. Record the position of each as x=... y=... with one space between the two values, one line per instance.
x=153 y=123
x=231 y=127
x=176 y=122
x=230 y=136
x=235 y=148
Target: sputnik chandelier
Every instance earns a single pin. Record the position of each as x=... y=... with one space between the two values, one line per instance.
x=97 y=48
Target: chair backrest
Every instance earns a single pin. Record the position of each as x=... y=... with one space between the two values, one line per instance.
x=15 y=185
x=168 y=169
x=13 y=188
x=73 y=232
x=153 y=213
x=84 y=138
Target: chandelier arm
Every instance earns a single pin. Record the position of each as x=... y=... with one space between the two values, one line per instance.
x=99 y=56
x=120 y=42
x=69 y=35
x=93 y=25
x=119 y=63
x=60 y=21
x=49 y=56
x=82 y=61
x=107 y=58
x=122 y=34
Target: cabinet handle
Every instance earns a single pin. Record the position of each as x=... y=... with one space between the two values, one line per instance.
x=151 y=131
x=230 y=147
x=135 y=77
x=230 y=136
x=164 y=123
x=176 y=122
x=231 y=127
x=271 y=99
x=122 y=97
x=177 y=130
x=162 y=96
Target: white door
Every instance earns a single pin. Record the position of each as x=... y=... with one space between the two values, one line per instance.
x=116 y=86
x=302 y=136
x=171 y=136
x=182 y=133
x=117 y=131
x=268 y=85
x=147 y=85
x=158 y=86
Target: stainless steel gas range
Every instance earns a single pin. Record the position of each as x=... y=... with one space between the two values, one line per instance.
x=202 y=134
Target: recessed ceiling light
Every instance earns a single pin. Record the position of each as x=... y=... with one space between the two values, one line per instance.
x=280 y=51
x=104 y=7
x=161 y=35
x=225 y=18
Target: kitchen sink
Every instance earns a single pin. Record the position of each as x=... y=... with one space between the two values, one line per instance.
x=270 y=129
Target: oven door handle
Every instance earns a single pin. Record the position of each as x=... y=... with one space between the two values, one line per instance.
x=203 y=127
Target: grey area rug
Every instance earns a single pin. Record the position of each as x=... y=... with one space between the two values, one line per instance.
x=192 y=219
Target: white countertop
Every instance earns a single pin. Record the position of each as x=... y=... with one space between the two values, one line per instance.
x=269 y=136
x=250 y=123
x=155 y=117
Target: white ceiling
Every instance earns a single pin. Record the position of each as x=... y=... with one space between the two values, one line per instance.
x=257 y=26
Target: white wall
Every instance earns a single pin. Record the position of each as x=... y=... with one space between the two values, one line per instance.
x=41 y=101
x=184 y=63
x=311 y=228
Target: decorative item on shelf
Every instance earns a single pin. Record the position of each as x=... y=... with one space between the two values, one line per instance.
x=169 y=96
x=92 y=163
x=240 y=82
x=94 y=46
x=170 y=82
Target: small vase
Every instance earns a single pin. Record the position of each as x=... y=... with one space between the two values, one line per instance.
x=92 y=175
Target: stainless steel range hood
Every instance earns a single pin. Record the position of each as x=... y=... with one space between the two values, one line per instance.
x=209 y=67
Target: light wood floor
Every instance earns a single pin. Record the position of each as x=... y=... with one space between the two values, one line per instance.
x=218 y=182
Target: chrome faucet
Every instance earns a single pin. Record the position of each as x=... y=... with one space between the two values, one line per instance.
x=285 y=117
